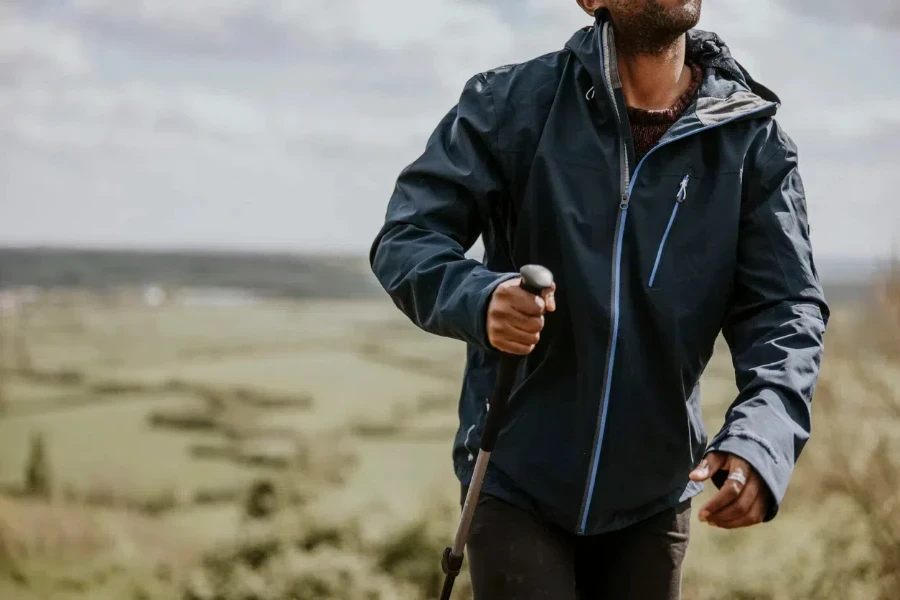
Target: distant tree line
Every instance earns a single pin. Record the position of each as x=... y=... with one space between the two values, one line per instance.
x=282 y=275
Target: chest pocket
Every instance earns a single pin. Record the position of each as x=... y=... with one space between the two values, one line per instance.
x=680 y=197
x=690 y=231
x=692 y=247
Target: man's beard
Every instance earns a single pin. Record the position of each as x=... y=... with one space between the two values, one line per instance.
x=650 y=27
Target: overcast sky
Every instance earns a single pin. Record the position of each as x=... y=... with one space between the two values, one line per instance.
x=282 y=124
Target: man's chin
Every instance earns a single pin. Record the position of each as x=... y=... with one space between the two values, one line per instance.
x=683 y=10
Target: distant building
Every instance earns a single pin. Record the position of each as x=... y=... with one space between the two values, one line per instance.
x=217 y=297
x=8 y=303
x=11 y=300
x=154 y=296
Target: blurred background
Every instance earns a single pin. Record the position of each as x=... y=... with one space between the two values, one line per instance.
x=204 y=394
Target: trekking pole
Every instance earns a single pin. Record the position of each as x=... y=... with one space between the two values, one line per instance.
x=535 y=279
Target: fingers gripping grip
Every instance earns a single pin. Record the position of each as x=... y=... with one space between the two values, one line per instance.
x=535 y=279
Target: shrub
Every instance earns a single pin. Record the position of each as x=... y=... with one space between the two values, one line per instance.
x=412 y=555
x=38 y=477
x=113 y=388
x=292 y=555
x=217 y=495
x=186 y=419
x=859 y=411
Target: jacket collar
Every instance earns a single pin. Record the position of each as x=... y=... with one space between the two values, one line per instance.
x=724 y=76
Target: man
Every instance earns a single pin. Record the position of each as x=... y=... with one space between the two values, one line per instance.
x=643 y=166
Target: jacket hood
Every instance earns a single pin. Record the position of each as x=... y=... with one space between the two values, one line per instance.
x=703 y=47
x=709 y=50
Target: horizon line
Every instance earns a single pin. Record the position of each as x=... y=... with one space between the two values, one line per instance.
x=298 y=251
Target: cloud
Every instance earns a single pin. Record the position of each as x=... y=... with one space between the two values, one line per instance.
x=284 y=123
x=122 y=148
x=270 y=27
x=89 y=114
x=880 y=14
x=32 y=48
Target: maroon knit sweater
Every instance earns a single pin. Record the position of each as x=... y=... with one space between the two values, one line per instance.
x=648 y=126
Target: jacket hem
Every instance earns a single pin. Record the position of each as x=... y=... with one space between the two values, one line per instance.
x=616 y=521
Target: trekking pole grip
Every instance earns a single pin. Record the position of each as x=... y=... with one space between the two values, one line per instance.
x=535 y=279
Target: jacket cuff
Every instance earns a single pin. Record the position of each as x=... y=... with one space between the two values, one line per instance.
x=761 y=455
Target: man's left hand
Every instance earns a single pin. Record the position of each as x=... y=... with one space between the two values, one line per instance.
x=743 y=499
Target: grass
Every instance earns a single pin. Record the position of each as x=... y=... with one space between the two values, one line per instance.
x=63 y=550
x=111 y=445
x=156 y=421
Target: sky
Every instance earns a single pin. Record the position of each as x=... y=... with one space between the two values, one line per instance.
x=283 y=124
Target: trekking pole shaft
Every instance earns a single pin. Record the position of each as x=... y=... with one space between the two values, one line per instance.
x=468 y=512
x=453 y=556
x=493 y=423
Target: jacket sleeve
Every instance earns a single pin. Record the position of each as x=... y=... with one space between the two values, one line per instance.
x=777 y=319
x=439 y=208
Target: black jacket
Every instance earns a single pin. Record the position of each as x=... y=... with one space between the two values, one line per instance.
x=707 y=233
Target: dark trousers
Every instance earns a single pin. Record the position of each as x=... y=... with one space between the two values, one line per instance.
x=515 y=556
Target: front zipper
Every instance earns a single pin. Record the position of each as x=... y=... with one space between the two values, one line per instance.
x=628 y=181
x=625 y=197
x=679 y=198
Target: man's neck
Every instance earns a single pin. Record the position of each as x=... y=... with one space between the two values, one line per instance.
x=654 y=81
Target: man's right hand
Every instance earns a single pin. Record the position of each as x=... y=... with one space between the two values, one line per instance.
x=515 y=317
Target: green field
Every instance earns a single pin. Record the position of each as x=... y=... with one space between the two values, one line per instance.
x=157 y=420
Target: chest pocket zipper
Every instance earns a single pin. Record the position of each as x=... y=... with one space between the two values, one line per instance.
x=679 y=198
